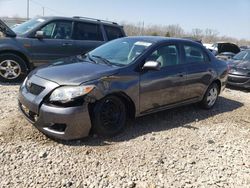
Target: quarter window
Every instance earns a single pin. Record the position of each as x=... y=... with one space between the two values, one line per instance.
x=57 y=30
x=87 y=31
x=194 y=54
x=113 y=32
x=166 y=55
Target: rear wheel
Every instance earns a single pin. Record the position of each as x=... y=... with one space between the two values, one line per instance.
x=109 y=116
x=210 y=96
x=12 y=68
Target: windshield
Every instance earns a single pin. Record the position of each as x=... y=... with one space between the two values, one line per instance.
x=121 y=52
x=244 y=55
x=27 y=26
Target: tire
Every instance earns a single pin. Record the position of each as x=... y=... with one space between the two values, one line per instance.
x=109 y=116
x=210 y=96
x=12 y=68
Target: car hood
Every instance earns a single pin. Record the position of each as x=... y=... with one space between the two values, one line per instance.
x=228 y=47
x=225 y=47
x=74 y=71
x=239 y=67
x=239 y=64
x=6 y=30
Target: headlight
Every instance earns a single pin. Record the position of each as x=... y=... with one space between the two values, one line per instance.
x=24 y=82
x=68 y=93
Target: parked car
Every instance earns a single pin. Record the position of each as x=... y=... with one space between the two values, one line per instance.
x=242 y=48
x=225 y=56
x=41 y=40
x=127 y=77
x=220 y=47
x=239 y=73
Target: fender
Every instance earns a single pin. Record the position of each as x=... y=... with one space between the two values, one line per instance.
x=12 y=45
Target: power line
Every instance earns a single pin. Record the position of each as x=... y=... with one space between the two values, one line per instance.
x=45 y=7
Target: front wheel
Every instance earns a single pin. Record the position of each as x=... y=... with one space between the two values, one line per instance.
x=12 y=68
x=210 y=96
x=109 y=116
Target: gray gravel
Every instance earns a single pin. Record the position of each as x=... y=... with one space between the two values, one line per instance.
x=184 y=147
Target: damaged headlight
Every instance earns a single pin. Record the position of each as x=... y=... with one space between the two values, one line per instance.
x=69 y=93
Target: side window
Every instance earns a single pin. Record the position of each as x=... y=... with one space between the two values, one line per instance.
x=113 y=32
x=48 y=30
x=87 y=31
x=194 y=54
x=57 y=30
x=166 y=55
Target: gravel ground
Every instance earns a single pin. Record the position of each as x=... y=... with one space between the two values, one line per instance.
x=183 y=147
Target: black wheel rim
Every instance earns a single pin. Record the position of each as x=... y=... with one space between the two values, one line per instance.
x=111 y=114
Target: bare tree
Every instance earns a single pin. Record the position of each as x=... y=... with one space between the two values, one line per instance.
x=210 y=35
x=197 y=33
x=174 y=30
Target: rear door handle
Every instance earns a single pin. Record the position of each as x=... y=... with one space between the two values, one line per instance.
x=67 y=44
x=181 y=74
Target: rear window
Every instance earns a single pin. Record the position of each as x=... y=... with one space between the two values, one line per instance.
x=194 y=54
x=87 y=31
x=113 y=32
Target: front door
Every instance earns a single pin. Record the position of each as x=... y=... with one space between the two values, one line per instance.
x=57 y=43
x=165 y=86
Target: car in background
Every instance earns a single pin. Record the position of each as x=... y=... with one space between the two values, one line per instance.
x=244 y=48
x=127 y=77
x=225 y=56
x=239 y=72
x=221 y=47
x=43 y=39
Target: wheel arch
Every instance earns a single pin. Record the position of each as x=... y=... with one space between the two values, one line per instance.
x=19 y=54
x=218 y=82
x=130 y=105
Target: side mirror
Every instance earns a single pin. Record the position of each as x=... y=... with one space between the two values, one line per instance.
x=152 y=65
x=39 y=34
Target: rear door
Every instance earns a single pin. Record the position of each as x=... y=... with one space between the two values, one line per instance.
x=57 y=42
x=87 y=36
x=165 y=86
x=199 y=70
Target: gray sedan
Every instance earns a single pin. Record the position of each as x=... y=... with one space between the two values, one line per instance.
x=125 y=78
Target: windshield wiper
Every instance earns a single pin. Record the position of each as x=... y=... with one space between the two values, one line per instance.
x=90 y=58
x=103 y=59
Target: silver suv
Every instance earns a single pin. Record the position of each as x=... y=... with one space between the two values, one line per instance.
x=41 y=40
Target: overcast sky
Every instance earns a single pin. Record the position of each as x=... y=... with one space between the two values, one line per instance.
x=228 y=17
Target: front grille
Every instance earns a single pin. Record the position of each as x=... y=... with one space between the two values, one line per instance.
x=238 y=79
x=34 y=89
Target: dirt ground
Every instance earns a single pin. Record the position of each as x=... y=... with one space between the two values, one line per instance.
x=182 y=147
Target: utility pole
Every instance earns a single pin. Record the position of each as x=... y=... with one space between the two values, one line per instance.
x=43 y=11
x=28 y=9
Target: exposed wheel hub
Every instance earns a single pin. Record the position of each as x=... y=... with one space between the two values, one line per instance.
x=212 y=96
x=110 y=113
x=10 y=69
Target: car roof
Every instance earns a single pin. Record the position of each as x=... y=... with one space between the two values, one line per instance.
x=158 y=39
x=83 y=19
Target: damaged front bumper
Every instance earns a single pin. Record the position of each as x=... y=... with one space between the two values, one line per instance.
x=64 y=123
